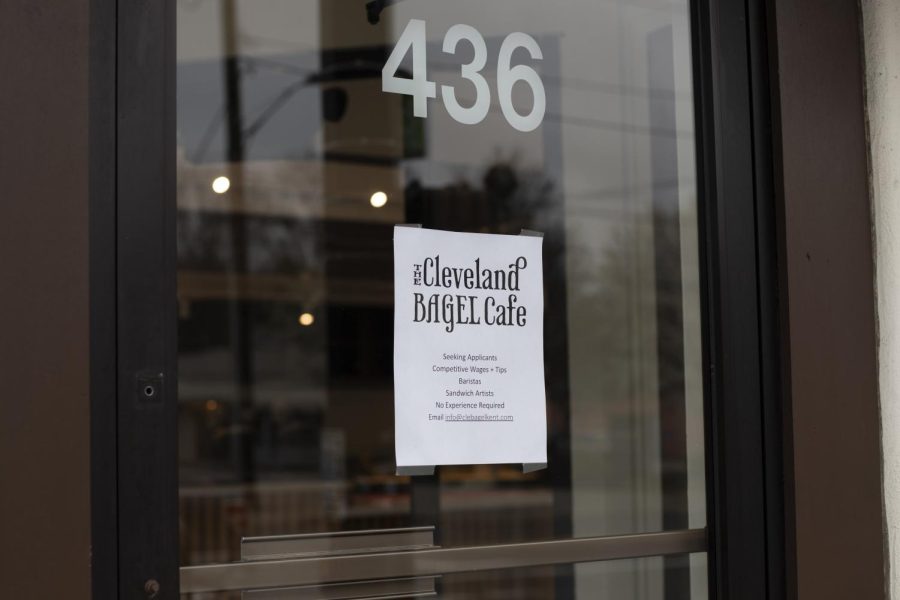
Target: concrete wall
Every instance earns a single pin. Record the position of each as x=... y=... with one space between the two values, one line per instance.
x=44 y=381
x=881 y=27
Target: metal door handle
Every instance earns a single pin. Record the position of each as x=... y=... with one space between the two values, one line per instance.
x=365 y=563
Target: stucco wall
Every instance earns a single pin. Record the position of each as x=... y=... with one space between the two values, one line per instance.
x=881 y=27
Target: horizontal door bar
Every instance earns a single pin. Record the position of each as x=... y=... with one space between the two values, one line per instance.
x=319 y=545
x=439 y=561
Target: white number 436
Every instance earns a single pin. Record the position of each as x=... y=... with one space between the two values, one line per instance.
x=413 y=38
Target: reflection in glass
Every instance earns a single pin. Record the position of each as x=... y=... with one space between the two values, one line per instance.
x=293 y=166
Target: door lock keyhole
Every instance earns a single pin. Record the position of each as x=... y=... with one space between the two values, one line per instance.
x=148 y=389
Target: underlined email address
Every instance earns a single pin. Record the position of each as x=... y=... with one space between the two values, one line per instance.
x=470 y=418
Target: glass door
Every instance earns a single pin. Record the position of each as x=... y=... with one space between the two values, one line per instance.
x=307 y=129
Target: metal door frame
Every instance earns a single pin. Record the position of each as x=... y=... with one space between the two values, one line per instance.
x=134 y=434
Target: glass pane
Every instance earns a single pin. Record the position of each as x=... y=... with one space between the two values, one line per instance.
x=293 y=167
x=671 y=578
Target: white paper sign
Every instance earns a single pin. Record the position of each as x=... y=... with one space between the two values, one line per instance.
x=468 y=348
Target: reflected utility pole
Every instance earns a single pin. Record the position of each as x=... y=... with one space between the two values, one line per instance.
x=239 y=307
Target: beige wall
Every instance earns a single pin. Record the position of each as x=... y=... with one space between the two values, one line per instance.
x=44 y=400
x=881 y=27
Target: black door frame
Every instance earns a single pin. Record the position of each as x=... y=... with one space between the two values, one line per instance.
x=133 y=306
x=134 y=487
x=745 y=455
